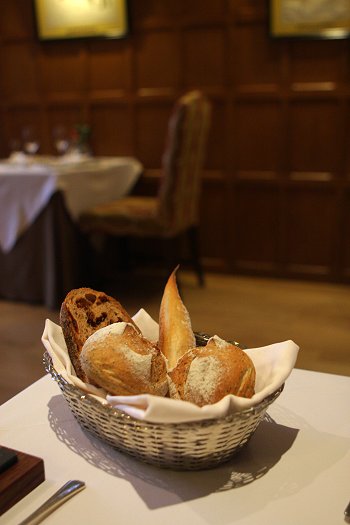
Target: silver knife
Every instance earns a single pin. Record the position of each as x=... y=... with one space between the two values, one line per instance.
x=347 y=512
x=68 y=490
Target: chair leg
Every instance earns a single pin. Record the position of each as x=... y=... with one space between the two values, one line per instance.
x=193 y=239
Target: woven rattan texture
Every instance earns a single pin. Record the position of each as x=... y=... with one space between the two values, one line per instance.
x=180 y=446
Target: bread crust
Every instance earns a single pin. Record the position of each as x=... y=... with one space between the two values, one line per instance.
x=83 y=311
x=176 y=336
x=206 y=374
x=125 y=364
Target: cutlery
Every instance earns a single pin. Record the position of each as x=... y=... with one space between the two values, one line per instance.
x=347 y=513
x=68 y=490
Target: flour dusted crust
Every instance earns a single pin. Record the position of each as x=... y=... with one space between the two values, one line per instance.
x=108 y=350
x=175 y=330
x=206 y=374
x=84 y=311
x=124 y=363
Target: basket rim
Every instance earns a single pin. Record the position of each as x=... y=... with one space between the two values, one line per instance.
x=115 y=412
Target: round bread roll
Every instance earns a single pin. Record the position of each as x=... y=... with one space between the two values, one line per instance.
x=206 y=374
x=120 y=360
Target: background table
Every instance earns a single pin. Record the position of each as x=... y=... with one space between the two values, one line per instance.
x=42 y=253
x=295 y=469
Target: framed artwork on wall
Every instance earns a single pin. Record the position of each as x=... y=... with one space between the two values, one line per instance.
x=67 y=19
x=311 y=18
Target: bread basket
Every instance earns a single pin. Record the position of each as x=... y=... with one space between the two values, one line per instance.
x=180 y=446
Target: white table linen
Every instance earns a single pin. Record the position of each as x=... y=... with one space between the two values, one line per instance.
x=295 y=469
x=26 y=188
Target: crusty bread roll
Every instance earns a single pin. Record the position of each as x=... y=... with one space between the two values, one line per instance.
x=84 y=311
x=120 y=360
x=175 y=329
x=206 y=374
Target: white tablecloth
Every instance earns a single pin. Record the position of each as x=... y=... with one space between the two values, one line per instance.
x=25 y=189
x=294 y=470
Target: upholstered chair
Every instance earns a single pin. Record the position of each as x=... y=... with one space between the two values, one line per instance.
x=174 y=211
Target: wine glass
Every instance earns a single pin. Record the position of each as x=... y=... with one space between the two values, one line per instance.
x=31 y=143
x=61 y=140
x=15 y=145
x=16 y=154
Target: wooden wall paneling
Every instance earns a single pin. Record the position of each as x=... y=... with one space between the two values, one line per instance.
x=204 y=58
x=344 y=251
x=256 y=67
x=258 y=136
x=17 y=20
x=218 y=143
x=157 y=57
x=314 y=136
x=109 y=69
x=63 y=71
x=248 y=11
x=344 y=244
x=111 y=125
x=19 y=68
x=207 y=12
x=255 y=220
x=316 y=64
x=154 y=14
x=216 y=201
x=346 y=156
x=216 y=223
x=280 y=137
x=151 y=128
x=343 y=130
x=311 y=220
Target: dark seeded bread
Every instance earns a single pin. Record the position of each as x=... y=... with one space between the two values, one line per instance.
x=84 y=311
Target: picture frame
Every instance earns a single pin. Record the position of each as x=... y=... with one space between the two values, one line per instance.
x=67 y=19
x=311 y=18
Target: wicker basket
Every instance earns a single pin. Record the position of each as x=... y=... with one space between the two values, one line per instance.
x=180 y=446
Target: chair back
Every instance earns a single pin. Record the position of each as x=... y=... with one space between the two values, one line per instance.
x=182 y=162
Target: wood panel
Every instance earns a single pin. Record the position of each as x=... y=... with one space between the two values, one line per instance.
x=157 y=60
x=258 y=135
x=344 y=250
x=314 y=136
x=276 y=187
x=111 y=129
x=109 y=72
x=216 y=220
x=309 y=244
x=20 y=83
x=62 y=70
x=150 y=130
x=257 y=59
x=204 y=52
x=255 y=217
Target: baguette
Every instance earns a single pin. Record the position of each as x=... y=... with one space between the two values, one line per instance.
x=84 y=311
x=175 y=330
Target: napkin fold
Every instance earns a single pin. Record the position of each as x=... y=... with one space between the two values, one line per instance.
x=273 y=364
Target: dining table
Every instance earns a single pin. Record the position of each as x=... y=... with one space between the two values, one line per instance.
x=43 y=253
x=295 y=469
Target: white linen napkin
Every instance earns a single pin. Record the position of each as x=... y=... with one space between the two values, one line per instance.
x=273 y=364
